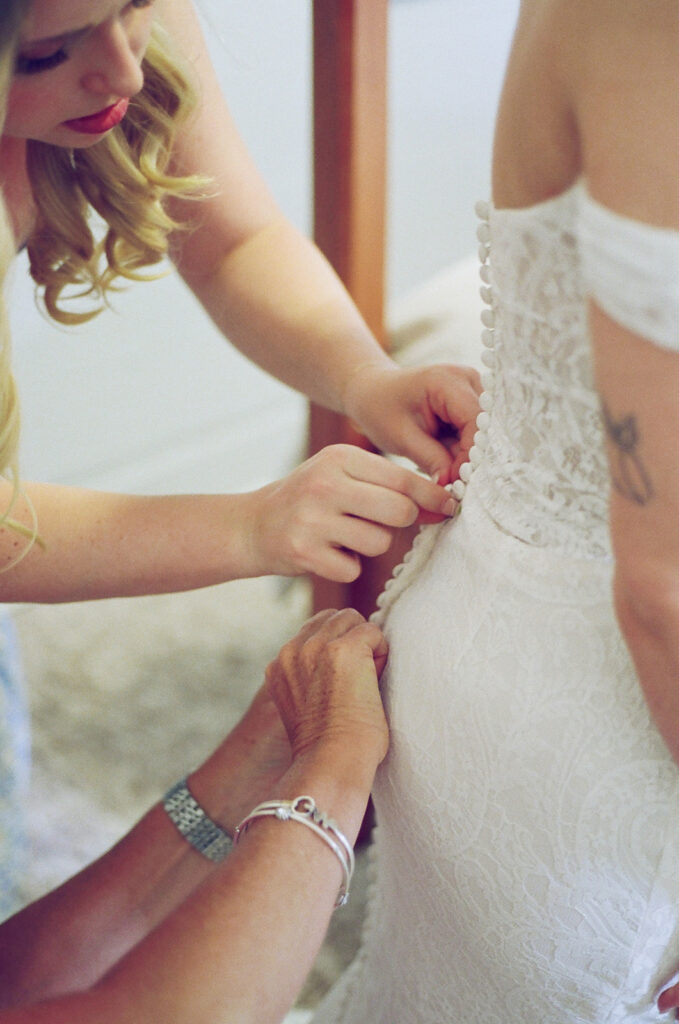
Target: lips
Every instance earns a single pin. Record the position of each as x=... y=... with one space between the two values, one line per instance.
x=100 y=122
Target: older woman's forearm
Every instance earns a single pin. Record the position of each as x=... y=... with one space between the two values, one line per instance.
x=238 y=947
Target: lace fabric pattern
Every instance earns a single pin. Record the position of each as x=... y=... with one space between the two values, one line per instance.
x=544 y=477
x=617 y=249
x=527 y=850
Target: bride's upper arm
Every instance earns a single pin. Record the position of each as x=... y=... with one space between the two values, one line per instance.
x=627 y=110
x=622 y=82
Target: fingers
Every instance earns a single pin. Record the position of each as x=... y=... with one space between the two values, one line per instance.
x=387 y=504
x=324 y=682
x=342 y=504
x=347 y=628
x=434 y=456
x=397 y=483
x=352 y=502
x=402 y=411
x=335 y=563
x=365 y=538
x=330 y=624
x=329 y=621
x=453 y=399
x=448 y=403
x=302 y=660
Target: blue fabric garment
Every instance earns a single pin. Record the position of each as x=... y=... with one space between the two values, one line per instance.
x=14 y=767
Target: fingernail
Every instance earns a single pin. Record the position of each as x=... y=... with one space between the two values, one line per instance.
x=435 y=477
x=450 y=507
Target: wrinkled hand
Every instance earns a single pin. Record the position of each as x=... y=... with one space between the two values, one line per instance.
x=427 y=414
x=342 y=503
x=325 y=684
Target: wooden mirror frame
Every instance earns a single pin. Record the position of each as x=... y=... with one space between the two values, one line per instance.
x=350 y=162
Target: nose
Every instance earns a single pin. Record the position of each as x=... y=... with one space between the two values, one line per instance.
x=114 y=68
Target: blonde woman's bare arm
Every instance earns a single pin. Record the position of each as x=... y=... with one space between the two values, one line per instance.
x=95 y=544
x=274 y=295
x=342 y=504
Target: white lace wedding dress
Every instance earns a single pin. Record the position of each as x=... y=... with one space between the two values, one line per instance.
x=527 y=848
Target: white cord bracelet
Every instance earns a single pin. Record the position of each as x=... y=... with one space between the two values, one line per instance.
x=303 y=810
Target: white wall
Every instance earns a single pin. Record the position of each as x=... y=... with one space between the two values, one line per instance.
x=447 y=60
x=149 y=397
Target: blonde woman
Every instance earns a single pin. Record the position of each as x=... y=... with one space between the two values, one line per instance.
x=101 y=115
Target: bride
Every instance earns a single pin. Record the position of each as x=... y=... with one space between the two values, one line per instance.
x=527 y=847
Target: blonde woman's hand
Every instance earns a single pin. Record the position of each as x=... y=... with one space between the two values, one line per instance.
x=427 y=413
x=342 y=503
x=325 y=685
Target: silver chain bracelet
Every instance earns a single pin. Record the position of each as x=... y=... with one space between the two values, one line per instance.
x=303 y=809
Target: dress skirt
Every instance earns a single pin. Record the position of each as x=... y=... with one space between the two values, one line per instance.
x=526 y=854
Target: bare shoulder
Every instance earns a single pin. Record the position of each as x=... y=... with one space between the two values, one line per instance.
x=611 y=41
x=596 y=41
x=619 y=59
x=535 y=153
x=591 y=90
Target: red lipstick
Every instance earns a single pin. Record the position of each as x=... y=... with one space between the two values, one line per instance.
x=103 y=121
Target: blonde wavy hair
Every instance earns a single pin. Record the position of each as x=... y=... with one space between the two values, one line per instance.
x=127 y=179
x=12 y=13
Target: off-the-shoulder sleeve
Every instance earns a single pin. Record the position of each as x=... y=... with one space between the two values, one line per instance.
x=631 y=270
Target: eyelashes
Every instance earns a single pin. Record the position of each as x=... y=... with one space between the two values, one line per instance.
x=34 y=65
x=26 y=65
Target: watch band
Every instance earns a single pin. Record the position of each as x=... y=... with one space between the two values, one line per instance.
x=198 y=829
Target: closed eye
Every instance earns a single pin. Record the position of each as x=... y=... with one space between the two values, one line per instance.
x=35 y=65
x=29 y=64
